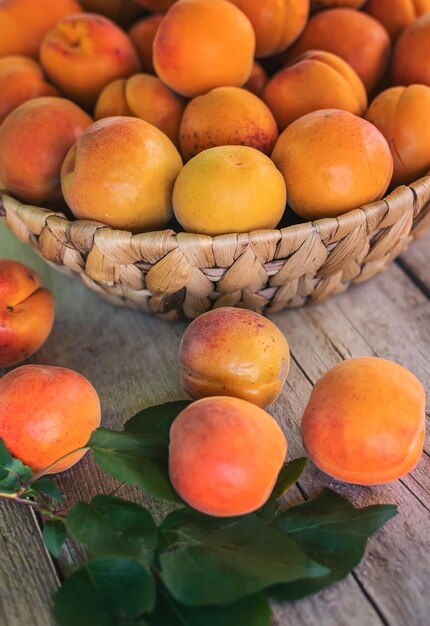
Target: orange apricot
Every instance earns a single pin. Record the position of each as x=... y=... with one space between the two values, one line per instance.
x=396 y=15
x=122 y=12
x=356 y=37
x=86 y=52
x=24 y=23
x=227 y=116
x=21 y=79
x=121 y=172
x=411 y=56
x=26 y=312
x=234 y=352
x=324 y=157
x=277 y=23
x=142 y=34
x=225 y=455
x=203 y=44
x=329 y=4
x=146 y=97
x=258 y=80
x=159 y=6
x=229 y=189
x=365 y=421
x=316 y=80
x=402 y=115
x=45 y=413
x=32 y=147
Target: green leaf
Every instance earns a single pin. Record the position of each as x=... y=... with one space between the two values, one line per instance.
x=331 y=531
x=110 y=526
x=54 y=535
x=207 y=560
x=288 y=476
x=104 y=592
x=156 y=420
x=12 y=471
x=134 y=459
x=48 y=488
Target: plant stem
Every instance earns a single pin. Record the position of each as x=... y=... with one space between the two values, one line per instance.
x=46 y=470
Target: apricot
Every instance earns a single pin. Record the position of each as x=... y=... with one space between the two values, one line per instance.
x=160 y=6
x=225 y=455
x=356 y=37
x=277 y=23
x=227 y=116
x=24 y=23
x=365 y=421
x=229 y=189
x=332 y=162
x=34 y=139
x=203 y=44
x=411 y=56
x=86 y=52
x=234 y=352
x=21 y=79
x=121 y=172
x=146 y=97
x=142 y=34
x=26 y=313
x=402 y=115
x=328 y=4
x=122 y=12
x=396 y=15
x=257 y=80
x=45 y=413
x=316 y=80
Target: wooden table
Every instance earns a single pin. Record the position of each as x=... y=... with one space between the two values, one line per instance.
x=132 y=361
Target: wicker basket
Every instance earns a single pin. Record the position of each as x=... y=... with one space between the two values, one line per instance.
x=177 y=275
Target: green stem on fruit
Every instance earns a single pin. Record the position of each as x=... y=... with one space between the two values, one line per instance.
x=46 y=470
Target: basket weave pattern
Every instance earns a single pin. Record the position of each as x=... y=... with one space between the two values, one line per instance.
x=177 y=275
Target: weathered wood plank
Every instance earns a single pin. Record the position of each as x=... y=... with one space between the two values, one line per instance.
x=416 y=263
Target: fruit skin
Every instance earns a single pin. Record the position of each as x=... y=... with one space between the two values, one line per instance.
x=146 y=97
x=26 y=313
x=225 y=455
x=142 y=34
x=192 y=57
x=396 y=15
x=46 y=412
x=277 y=23
x=402 y=115
x=86 y=52
x=160 y=6
x=229 y=189
x=257 y=80
x=32 y=148
x=316 y=80
x=411 y=56
x=21 y=79
x=365 y=421
x=121 y=172
x=234 y=352
x=324 y=157
x=24 y=23
x=354 y=36
x=227 y=116
x=327 y=4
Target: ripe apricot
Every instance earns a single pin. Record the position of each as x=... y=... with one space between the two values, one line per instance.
x=225 y=455
x=146 y=97
x=328 y=4
x=365 y=421
x=353 y=35
x=86 y=52
x=24 y=23
x=257 y=80
x=45 y=413
x=277 y=23
x=142 y=34
x=229 y=189
x=234 y=352
x=411 y=56
x=402 y=115
x=325 y=156
x=26 y=312
x=121 y=172
x=316 y=80
x=32 y=147
x=21 y=79
x=202 y=44
x=160 y=6
x=122 y=12
x=396 y=15
x=227 y=116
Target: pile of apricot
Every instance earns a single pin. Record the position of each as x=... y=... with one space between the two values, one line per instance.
x=224 y=115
